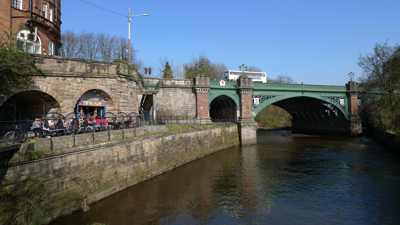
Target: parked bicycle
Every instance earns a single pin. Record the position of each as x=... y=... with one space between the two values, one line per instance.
x=18 y=135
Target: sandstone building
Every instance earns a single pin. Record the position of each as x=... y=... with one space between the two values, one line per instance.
x=35 y=23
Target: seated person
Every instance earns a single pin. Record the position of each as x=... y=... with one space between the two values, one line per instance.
x=44 y=128
x=75 y=125
x=51 y=123
x=36 y=126
x=104 y=122
x=98 y=120
x=60 y=124
x=115 y=123
x=129 y=121
x=85 y=122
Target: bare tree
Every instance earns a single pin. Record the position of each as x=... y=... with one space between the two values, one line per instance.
x=381 y=79
x=88 y=44
x=178 y=71
x=106 y=44
x=254 y=69
x=70 y=44
x=284 y=80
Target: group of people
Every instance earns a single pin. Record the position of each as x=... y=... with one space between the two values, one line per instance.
x=40 y=126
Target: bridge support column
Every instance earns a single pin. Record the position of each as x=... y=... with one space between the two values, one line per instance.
x=354 y=126
x=202 y=86
x=246 y=125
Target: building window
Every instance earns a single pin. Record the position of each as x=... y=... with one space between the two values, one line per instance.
x=28 y=42
x=17 y=4
x=51 y=48
x=51 y=13
x=44 y=11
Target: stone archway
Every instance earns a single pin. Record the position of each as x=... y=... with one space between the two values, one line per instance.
x=94 y=87
x=41 y=88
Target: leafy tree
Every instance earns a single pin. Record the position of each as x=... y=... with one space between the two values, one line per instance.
x=16 y=66
x=167 y=72
x=381 y=80
x=212 y=70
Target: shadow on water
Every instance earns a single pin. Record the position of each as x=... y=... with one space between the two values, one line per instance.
x=5 y=157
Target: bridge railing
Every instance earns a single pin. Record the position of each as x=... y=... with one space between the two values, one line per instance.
x=162 y=120
x=297 y=87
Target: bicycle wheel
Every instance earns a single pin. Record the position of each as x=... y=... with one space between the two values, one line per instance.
x=9 y=138
x=89 y=129
x=22 y=137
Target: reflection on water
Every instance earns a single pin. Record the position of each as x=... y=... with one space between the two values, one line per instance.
x=284 y=179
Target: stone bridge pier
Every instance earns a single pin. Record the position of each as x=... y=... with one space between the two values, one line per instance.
x=247 y=127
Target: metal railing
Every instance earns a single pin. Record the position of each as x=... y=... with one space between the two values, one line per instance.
x=113 y=122
x=162 y=120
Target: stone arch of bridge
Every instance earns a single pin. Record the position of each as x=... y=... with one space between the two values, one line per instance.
x=305 y=106
x=94 y=87
x=37 y=87
x=223 y=107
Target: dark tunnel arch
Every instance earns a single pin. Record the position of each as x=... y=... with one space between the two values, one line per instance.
x=223 y=107
x=308 y=109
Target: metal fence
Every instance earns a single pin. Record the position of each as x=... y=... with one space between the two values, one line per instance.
x=162 y=120
x=113 y=121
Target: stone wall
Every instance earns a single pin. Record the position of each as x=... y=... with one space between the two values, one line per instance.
x=66 y=80
x=390 y=140
x=176 y=101
x=95 y=173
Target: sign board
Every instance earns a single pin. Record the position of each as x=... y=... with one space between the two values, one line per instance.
x=92 y=103
x=256 y=101
x=341 y=101
x=222 y=83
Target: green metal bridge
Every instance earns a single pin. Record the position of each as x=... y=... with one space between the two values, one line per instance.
x=300 y=100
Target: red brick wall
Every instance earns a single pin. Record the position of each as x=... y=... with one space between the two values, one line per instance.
x=45 y=34
x=353 y=107
x=202 y=105
x=245 y=110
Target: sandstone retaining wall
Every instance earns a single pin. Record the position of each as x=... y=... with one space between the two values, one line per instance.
x=95 y=173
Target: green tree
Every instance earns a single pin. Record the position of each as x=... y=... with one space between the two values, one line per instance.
x=167 y=72
x=381 y=81
x=16 y=66
x=212 y=70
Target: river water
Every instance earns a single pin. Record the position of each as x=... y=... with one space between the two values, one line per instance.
x=284 y=179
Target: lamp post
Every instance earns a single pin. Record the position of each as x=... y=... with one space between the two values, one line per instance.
x=351 y=75
x=243 y=68
x=129 y=30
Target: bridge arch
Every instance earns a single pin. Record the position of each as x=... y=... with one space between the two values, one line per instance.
x=37 y=87
x=94 y=87
x=30 y=102
x=315 y=100
x=223 y=107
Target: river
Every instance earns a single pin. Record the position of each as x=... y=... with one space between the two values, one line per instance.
x=284 y=179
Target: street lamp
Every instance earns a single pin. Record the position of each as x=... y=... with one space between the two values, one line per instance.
x=243 y=68
x=351 y=75
x=129 y=29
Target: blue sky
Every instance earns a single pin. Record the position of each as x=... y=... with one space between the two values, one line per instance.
x=312 y=41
